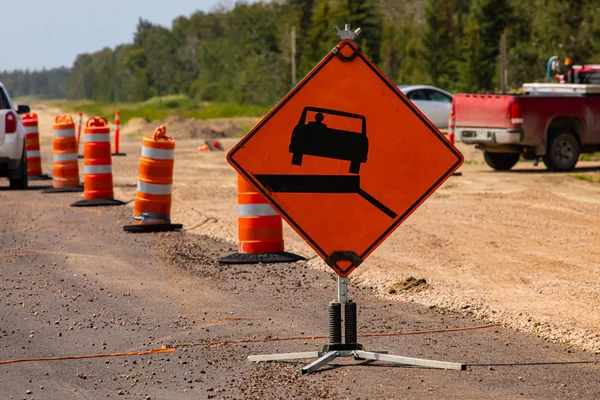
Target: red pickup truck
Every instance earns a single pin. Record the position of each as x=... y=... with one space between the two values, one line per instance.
x=553 y=121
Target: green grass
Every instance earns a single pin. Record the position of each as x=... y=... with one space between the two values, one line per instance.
x=159 y=108
x=593 y=177
x=590 y=157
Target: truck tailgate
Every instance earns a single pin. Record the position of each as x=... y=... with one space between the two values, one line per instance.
x=482 y=110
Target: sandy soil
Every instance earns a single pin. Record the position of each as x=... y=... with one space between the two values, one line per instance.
x=520 y=247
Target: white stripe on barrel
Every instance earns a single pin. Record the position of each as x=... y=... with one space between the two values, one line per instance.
x=152 y=188
x=64 y=132
x=157 y=154
x=65 y=157
x=33 y=154
x=255 y=210
x=96 y=137
x=31 y=129
x=97 y=169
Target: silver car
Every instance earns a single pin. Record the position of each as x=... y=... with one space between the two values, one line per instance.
x=434 y=102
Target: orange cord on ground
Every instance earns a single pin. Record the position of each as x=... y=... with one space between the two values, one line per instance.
x=169 y=348
x=128 y=353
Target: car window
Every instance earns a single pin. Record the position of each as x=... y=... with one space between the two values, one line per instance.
x=434 y=95
x=417 y=95
x=4 y=103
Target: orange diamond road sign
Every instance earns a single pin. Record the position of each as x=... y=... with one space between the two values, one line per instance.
x=345 y=158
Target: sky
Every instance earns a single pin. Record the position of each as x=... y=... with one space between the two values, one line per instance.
x=51 y=33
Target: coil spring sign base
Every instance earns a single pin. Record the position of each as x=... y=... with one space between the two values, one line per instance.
x=345 y=158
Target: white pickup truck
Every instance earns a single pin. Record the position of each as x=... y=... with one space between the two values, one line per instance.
x=13 y=156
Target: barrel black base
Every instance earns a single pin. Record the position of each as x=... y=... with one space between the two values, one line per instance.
x=119 y=154
x=264 y=258
x=97 y=203
x=152 y=228
x=42 y=177
x=66 y=189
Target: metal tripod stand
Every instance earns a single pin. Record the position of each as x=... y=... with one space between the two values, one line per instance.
x=350 y=347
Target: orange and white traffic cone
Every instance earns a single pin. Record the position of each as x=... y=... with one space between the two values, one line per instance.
x=66 y=167
x=152 y=207
x=32 y=145
x=260 y=230
x=97 y=166
x=118 y=134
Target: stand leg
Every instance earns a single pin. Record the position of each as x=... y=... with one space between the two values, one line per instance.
x=368 y=355
x=284 y=356
x=315 y=365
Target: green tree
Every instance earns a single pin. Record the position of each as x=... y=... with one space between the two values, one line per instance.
x=366 y=15
x=487 y=21
x=438 y=43
x=321 y=37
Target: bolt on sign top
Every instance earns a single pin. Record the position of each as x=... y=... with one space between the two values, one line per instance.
x=345 y=157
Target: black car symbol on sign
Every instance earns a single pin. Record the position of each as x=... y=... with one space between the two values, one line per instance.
x=315 y=138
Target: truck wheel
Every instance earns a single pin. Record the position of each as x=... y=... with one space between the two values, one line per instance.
x=18 y=178
x=501 y=161
x=562 y=152
x=354 y=167
x=297 y=159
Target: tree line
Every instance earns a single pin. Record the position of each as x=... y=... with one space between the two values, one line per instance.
x=244 y=55
x=47 y=84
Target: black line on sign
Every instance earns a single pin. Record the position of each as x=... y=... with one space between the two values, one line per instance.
x=310 y=183
x=377 y=203
x=281 y=183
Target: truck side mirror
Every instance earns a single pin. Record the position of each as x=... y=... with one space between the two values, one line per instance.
x=23 y=109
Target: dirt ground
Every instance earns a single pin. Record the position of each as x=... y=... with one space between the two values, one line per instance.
x=518 y=248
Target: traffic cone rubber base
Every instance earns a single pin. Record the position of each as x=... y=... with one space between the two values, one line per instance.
x=152 y=228
x=42 y=177
x=265 y=258
x=66 y=189
x=119 y=154
x=97 y=203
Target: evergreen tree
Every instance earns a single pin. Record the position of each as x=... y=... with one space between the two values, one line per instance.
x=439 y=42
x=321 y=37
x=487 y=21
x=363 y=14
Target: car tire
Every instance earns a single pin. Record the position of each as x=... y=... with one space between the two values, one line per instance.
x=297 y=159
x=354 y=167
x=18 y=178
x=501 y=161
x=562 y=152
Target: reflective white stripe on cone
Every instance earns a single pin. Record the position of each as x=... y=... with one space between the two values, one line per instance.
x=96 y=137
x=255 y=210
x=64 y=132
x=151 y=188
x=158 y=154
x=97 y=169
x=65 y=157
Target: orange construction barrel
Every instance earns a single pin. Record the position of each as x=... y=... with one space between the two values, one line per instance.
x=64 y=145
x=260 y=229
x=97 y=165
x=32 y=145
x=152 y=207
